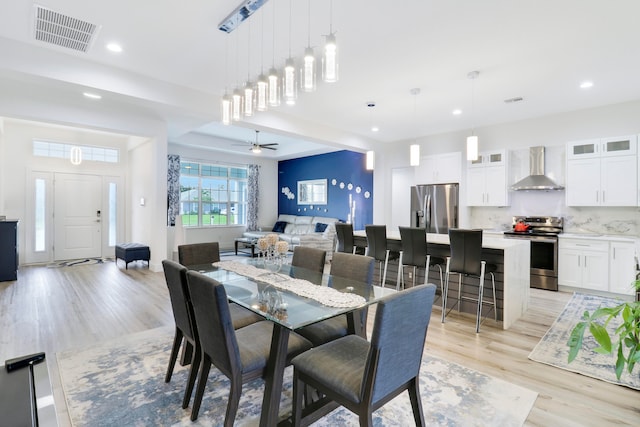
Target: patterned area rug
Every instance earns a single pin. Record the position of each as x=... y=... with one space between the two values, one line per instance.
x=121 y=382
x=76 y=262
x=553 y=350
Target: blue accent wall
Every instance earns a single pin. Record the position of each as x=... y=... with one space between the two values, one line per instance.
x=347 y=180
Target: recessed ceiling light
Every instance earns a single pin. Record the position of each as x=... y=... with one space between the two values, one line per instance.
x=92 y=95
x=114 y=47
x=375 y=128
x=456 y=112
x=586 y=85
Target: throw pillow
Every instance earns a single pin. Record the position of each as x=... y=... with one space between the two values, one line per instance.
x=320 y=227
x=279 y=226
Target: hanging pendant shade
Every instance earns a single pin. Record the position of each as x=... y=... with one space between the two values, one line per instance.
x=330 y=60
x=289 y=82
x=309 y=71
x=472 y=148
x=248 y=99
x=262 y=90
x=226 y=109
x=414 y=155
x=236 y=109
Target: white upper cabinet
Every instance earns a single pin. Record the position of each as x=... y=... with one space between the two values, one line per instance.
x=439 y=168
x=487 y=179
x=602 y=172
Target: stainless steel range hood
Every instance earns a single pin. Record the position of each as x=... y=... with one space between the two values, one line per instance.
x=536 y=179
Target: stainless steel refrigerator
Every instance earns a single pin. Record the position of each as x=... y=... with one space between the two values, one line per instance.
x=435 y=207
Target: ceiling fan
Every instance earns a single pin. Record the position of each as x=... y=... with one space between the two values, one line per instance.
x=257 y=148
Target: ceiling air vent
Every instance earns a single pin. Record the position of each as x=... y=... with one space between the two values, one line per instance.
x=62 y=30
x=512 y=100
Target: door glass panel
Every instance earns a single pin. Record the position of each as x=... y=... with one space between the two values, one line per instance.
x=495 y=158
x=112 y=213
x=40 y=222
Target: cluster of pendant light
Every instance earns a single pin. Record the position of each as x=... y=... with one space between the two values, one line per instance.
x=279 y=86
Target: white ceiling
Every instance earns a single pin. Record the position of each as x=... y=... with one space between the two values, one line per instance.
x=176 y=64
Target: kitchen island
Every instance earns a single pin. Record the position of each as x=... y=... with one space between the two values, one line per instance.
x=511 y=256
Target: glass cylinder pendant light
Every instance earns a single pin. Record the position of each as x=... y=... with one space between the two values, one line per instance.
x=414 y=155
x=289 y=88
x=369 y=160
x=289 y=82
x=261 y=93
x=308 y=70
x=236 y=109
x=330 y=56
x=472 y=141
x=226 y=109
x=248 y=99
x=330 y=60
x=273 y=77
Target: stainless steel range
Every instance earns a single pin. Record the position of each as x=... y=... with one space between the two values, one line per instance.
x=543 y=232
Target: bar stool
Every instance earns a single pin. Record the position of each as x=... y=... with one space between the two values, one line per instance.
x=415 y=253
x=344 y=232
x=377 y=248
x=466 y=260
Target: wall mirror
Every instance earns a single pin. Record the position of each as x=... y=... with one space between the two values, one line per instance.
x=312 y=192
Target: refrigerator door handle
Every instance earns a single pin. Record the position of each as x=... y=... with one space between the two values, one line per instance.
x=427 y=212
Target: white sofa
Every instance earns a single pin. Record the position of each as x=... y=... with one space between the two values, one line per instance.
x=301 y=231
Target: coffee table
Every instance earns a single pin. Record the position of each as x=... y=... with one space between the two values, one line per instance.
x=246 y=243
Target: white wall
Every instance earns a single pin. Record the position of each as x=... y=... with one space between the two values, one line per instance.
x=553 y=132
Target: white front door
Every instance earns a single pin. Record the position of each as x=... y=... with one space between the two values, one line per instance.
x=78 y=208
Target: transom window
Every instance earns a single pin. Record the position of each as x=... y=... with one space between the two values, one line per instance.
x=63 y=151
x=212 y=194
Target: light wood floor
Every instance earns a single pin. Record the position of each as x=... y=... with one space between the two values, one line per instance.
x=55 y=309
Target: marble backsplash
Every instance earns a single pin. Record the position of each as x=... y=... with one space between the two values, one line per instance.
x=583 y=220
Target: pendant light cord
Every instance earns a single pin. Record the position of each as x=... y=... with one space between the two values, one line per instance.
x=290 y=25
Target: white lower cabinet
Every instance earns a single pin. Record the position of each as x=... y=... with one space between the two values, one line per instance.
x=603 y=264
x=584 y=264
x=622 y=272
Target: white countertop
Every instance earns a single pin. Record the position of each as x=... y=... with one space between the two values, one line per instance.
x=489 y=242
x=603 y=237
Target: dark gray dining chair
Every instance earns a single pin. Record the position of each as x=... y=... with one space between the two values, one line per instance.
x=312 y=259
x=242 y=354
x=466 y=260
x=377 y=248
x=193 y=254
x=185 y=327
x=358 y=268
x=198 y=253
x=415 y=253
x=363 y=376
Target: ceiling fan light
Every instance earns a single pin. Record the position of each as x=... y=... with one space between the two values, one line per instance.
x=256 y=149
x=330 y=60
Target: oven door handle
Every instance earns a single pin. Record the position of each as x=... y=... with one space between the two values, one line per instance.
x=543 y=240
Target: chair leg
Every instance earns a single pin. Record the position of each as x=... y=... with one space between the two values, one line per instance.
x=177 y=340
x=234 y=401
x=459 y=292
x=366 y=420
x=298 y=389
x=400 y=274
x=416 y=402
x=414 y=275
x=386 y=262
x=480 y=297
x=495 y=300
x=445 y=290
x=193 y=374
x=205 y=366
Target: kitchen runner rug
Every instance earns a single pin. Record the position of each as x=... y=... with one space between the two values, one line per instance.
x=121 y=383
x=553 y=350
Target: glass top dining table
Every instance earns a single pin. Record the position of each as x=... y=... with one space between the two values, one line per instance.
x=268 y=292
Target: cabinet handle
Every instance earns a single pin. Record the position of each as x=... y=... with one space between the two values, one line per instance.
x=603 y=198
x=578 y=260
x=614 y=253
x=597 y=198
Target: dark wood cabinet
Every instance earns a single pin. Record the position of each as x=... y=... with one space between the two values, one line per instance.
x=8 y=250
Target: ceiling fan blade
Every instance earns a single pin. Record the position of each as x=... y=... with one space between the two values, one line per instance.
x=268 y=148
x=267 y=145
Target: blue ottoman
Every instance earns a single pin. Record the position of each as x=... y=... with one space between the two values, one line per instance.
x=129 y=252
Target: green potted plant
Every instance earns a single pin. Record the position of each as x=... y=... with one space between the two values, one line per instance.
x=624 y=340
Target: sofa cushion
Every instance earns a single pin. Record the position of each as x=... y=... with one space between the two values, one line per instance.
x=279 y=227
x=320 y=227
x=304 y=219
x=287 y=218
